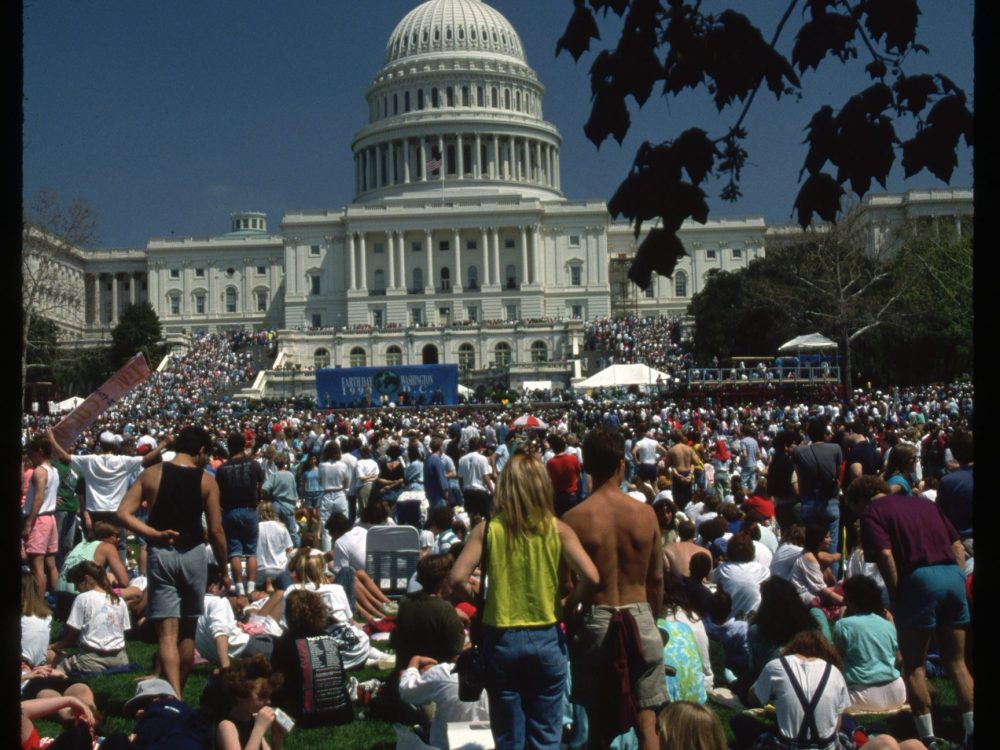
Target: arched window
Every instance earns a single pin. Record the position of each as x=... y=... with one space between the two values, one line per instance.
x=434 y=98
x=418 y=279
x=358 y=357
x=651 y=289
x=517 y=101
x=511 y=276
x=429 y=355
x=501 y=354
x=174 y=300
x=231 y=297
x=466 y=357
x=445 y=279
x=680 y=284
x=394 y=356
x=473 y=278
x=539 y=352
x=379 y=280
x=321 y=358
x=420 y=98
x=450 y=96
x=495 y=97
x=506 y=98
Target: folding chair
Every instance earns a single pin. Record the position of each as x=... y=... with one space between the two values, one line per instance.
x=391 y=557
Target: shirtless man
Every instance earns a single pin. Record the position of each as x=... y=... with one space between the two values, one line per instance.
x=622 y=537
x=680 y=459
x=677 y=556
x=177 y=493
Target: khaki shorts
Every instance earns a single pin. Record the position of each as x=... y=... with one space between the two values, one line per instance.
x=589 y=658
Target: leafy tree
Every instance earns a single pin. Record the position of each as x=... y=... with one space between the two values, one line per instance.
x=138 y=330
x=679 y=46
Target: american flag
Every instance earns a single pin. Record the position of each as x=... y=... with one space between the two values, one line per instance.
x=434 y=164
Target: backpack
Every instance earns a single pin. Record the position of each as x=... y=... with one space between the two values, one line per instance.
x=169 y=723
x=325 y=699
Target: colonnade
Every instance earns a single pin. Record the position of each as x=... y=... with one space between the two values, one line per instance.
x=123 y=285
x=483 y=246
x=508 y=158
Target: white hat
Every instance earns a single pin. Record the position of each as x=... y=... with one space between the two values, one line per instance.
x=107 y=438
x=145 y=692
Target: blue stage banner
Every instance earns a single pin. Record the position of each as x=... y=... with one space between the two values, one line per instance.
x=406 y=385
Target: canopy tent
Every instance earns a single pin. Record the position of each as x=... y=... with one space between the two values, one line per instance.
x=68 y=405
x=623 y=375
x=464 y=390
x=811 y=342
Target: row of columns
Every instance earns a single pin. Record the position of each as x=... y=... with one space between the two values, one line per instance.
x=96 y=291
x=508 y=158
x=488 y=243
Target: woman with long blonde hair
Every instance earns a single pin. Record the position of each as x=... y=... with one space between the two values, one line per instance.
x=526 y=547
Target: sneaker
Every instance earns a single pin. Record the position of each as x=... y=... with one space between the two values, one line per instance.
x=936 y=743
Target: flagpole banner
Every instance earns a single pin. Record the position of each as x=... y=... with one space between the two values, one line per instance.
x=128 y=377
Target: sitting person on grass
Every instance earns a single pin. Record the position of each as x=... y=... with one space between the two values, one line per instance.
x=250 y=683
x=424 y=682
x=812 y=576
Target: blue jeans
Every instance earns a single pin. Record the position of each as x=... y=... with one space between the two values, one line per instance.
x=826 y=512
x=330 y=503
x=66 y=525
x=525 y=682
x=286 y=514
x=748 y=478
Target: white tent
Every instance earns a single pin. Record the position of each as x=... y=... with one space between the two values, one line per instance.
x=811 y=342
x=68 y=405
x=464 y=390
x=623 y=375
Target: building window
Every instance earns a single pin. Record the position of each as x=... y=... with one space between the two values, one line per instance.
x=574 y=240
x=262 y=270
x=394 y=356
x=406 y=101
x=199 y=304
x=737 y=253
x=650 y=291
x=470 y=244
x=358 y=358
x=261 y=299
x=445 y=279
x=418 y=279
x=378 y=318
x=230 y=272
x=379 y=248
x=443 y=246
x=314 y=284
x=472 y=314
x=420 y=98
x=175 y=273
x=577 y=312
x=576 y=275
x=379 y=280
x=512 y=311
x=416 y=316
x=321 y=358
x=199 y=273
x=473 y=278
x=444 y=315
x=231 y=299
x=175 y=304
x=466 y=357
x=314 y=250
x=710 y=255
x=495 y=97
x=501 y=354
x=539 y=352
x=395 y=104
x=450 y=95
x=680 y=284
x=465 y=96
x=480 y=97
x=416 y=247
x=511 y=276
x=434 y=98
x=509 y=243
x=317 y=320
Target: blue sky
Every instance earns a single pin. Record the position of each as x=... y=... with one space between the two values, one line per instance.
x=167 y=117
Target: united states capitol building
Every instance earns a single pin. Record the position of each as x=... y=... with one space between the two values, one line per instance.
x=459 y=246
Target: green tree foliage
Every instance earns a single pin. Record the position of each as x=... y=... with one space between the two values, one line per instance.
x=679 y=46
x=138 y=330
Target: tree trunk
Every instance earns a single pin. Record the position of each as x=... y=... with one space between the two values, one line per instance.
x=848 y=382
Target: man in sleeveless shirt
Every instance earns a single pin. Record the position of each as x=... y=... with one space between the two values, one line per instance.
x=622 y=537
x=177 y=493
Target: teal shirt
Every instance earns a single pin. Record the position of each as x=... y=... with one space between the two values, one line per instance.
x=868 y=643
x=281 y=486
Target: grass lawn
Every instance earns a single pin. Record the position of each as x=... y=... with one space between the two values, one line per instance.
x=112 y=692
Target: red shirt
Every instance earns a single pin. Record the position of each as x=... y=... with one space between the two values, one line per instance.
x=564 y=471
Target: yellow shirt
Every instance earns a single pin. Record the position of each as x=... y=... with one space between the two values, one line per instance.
x=523 y=575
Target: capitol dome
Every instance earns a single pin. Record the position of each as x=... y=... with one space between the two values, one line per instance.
x=453 y=25
x=455 y=111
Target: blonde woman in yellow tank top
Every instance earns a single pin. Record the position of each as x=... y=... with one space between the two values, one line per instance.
x=527 y=547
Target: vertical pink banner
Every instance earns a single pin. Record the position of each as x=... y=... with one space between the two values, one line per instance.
x=128 y=377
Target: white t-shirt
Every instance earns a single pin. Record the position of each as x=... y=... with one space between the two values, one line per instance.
x=218 y=619
x=101 y=623
x=107 y=478
x=762 y=554
x=334 y=477
x=51 y=490
x=768 y=539
x=334 y=598
x=472 y=467
x=351 y=462
x=439 y=685
x=646 y=449
x=35 y=639
x=742 y=582
x=774 y=687
x=784 y=560
x=366 y=467
x=351 y=548
x=273 y=541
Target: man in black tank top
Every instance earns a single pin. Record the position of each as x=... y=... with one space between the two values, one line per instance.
x=177 y=493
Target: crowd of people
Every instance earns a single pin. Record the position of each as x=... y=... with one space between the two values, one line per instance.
x=651 y=340
x=760 y=553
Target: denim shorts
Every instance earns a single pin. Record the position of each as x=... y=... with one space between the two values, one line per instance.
x=242 y=529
